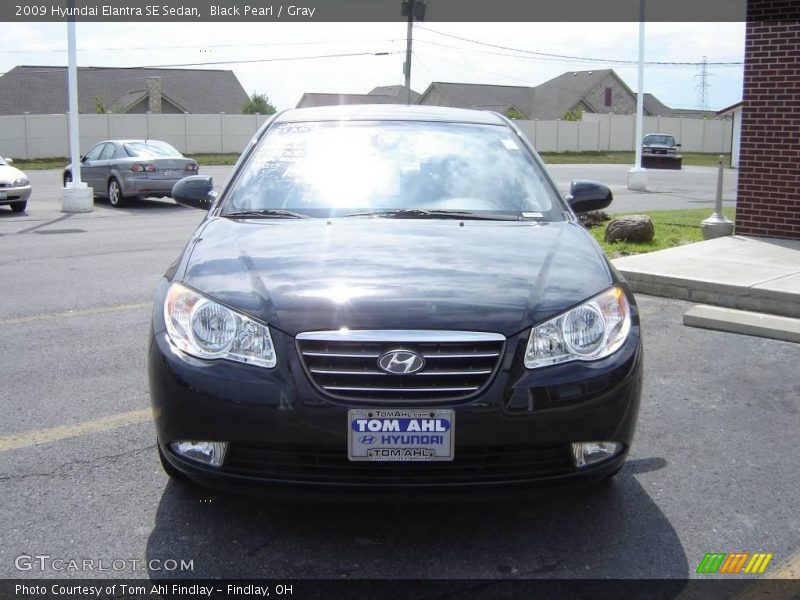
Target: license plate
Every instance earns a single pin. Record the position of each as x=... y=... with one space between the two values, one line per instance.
x=171 y=173
x=3 y=195
x=400 y=435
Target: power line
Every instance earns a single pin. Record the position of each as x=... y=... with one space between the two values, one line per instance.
x=209 y=63
x=584 y=59
x=703 y=85
x=201 y=46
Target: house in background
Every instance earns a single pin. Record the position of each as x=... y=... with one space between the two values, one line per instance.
x=601 y=92
x=43 y=90
x=388 y=94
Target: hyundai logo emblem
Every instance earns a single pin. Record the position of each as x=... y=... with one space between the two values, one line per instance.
x=366 y=439
x=401 y=362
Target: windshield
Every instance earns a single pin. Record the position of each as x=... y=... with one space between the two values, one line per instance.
x=340 y=168
x=661 y=140
x=152 y=148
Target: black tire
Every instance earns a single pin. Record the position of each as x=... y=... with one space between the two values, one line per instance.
x=114 y=192
x=67 y=178
x=19 y=206
x=168 y=468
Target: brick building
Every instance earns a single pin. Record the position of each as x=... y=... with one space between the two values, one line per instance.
x=768 y=202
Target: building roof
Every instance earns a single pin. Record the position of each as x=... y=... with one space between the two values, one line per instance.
x=550 y=100
x=477 y=95
x=43 y=89
x=730 y=108
x=310 y=99
x=553 y=98
x=394 y=90
x=397 y=112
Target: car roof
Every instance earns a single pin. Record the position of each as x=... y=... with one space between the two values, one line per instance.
x=389 y=112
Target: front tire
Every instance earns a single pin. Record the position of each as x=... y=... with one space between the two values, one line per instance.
x=115 y=196
x=19 y=207
x=67 y=179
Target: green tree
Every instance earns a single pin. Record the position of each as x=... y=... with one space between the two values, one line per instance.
x=573 y=115
x=514 y=114
x=258 y=103
x=99 y=104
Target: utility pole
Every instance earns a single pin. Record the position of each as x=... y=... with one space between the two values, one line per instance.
x=411 y=9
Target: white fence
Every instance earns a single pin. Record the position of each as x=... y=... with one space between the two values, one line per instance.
x=44 y=136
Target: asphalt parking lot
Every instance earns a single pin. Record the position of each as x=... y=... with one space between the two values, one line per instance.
x=713 y=468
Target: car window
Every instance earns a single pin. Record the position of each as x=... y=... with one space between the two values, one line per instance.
x=340 y=167
x=3 y=163
x=150 y=148
x=664 y=140
x=108 y=152
x=95 y=152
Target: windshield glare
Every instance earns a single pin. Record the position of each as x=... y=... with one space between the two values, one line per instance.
x=151 y=148
x=663 y=140
x=336 y=168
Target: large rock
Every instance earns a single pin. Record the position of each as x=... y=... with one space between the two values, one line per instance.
x=633 y=228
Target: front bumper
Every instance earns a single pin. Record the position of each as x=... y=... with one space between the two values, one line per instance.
x=14 y=194
x=284 y=433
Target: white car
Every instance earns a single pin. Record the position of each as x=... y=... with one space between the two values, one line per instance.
x=14 y=186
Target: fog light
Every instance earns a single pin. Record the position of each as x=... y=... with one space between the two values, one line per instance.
x=589 y=453
x=208 y=453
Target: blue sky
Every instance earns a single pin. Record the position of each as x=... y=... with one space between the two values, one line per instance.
x=286 y=71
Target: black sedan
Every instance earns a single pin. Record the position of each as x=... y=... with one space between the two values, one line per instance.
x=388 y=298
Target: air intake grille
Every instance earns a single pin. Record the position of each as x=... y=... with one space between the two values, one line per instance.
x=457 y=365
x=329 y=464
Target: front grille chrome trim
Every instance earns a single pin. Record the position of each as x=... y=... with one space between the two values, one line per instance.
x=400 y=336
x=400 y=390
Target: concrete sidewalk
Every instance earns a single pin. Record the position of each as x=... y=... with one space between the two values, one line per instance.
x=747 y=273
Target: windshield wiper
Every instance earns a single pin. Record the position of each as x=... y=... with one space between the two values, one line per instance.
x=266 y=213
x=421 y=213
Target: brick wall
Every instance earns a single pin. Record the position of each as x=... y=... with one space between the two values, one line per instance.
x=768 y=202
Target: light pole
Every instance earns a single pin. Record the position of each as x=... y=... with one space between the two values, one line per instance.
x=637 y=176
x=76 y=196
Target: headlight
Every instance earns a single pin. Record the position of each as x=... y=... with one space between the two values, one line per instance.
x=590 y=331
x=21 y=182
x=206 y=329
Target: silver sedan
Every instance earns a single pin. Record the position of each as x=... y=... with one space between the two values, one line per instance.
x=121 y=170
x=15 y=189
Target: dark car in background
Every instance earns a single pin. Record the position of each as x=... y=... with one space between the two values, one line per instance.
x=660 y=151
x=121 y=170
x=392 y=298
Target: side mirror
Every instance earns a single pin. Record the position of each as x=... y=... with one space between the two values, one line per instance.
x=196 y=191
x=9 y=161
x=677 y=145
x=586 y=196
x=83 y=159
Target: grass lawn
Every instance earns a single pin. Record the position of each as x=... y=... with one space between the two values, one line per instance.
x=694 y=159
x=608 y=158
x=673 y=228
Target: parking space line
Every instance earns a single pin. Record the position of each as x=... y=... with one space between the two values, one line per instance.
x=74 y=313
x=63 y=432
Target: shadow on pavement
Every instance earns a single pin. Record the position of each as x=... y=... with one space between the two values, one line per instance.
x=614 y=530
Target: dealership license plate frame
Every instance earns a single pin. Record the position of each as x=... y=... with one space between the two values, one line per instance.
x=440 y=451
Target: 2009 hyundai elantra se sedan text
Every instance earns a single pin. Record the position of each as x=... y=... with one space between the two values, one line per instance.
x=392 y=298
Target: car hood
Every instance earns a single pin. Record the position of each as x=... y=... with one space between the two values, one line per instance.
x=9 y=174
x=313 y=274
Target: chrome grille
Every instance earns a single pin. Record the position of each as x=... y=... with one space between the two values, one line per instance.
x=344 y=364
